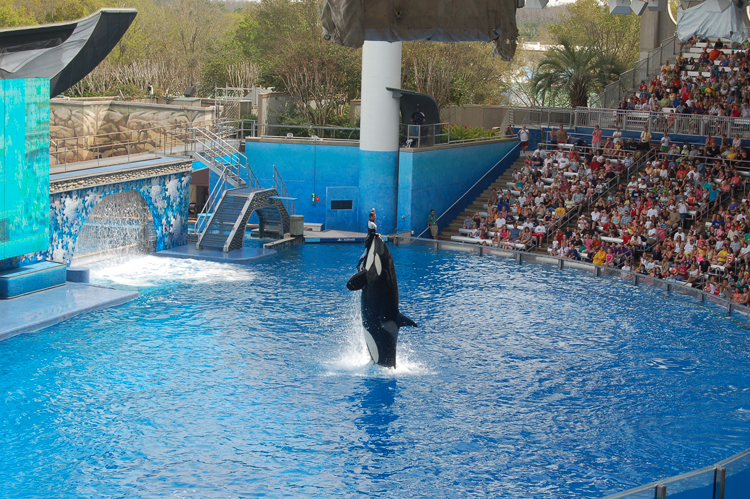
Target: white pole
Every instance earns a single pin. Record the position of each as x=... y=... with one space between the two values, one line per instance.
x=378 y=138
x=381 y=68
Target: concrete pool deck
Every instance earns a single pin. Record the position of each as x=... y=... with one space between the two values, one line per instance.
x=45 y=308
x=242 y=255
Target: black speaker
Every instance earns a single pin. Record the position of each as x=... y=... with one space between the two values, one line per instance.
x=189 y=92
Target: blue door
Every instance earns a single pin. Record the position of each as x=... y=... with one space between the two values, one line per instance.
x=341 y=208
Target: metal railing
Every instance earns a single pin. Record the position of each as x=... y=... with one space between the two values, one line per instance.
x=283 y=192
x=227 y=162
x=644 y=69
x=632 y=121
x=609 y=185
x=313 y=132
x=514 y=149
x=414 y=136
x=99 y=149
x=102 y=149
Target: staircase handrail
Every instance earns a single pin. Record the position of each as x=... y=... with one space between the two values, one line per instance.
x=212 y=203
x=238 y=162
x=518 y=145
x=283 y=192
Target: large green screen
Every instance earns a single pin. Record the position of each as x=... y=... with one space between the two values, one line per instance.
x=24 y=166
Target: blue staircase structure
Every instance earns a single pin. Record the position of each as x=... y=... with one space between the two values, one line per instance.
x=236 y=195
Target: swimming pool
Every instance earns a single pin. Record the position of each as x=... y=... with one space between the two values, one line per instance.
x=235 y=381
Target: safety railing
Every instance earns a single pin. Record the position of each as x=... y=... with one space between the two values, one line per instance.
x=728 y=478
x=470 y=189
x=312 y=132
x=102 y=149
x=227 y=162
x=609 y=186
x=414 y=136
x=665 y=120
x=642 y=70
x=738 y=463
x=283 y=192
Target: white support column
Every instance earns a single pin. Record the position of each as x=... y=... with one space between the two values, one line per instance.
x=381 y=68
x=379 y=134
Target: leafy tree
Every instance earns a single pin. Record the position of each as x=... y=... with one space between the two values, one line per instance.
x=455 y=73
x=11 y=16
x=589 y=24
x=568 y=75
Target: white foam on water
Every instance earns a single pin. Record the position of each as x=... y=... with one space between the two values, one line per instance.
x=149 y=271
x=353 y=358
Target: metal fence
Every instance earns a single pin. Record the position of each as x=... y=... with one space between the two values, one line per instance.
x=642 y=70
x=632 y=121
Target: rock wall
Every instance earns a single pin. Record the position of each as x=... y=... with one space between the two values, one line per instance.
x=83 y=131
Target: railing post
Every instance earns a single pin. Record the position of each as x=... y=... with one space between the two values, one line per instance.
x=720 y=477
x=660 y=492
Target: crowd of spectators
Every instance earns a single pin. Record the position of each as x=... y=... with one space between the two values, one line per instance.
x=550 y=185
x=712 y=82
x=652 y=223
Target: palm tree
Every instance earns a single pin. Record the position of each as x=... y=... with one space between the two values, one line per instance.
x=570 y=74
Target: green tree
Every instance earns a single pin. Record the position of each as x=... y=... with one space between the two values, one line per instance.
x=11 y=16
x=589 y=24
x=568 y=75
x=455 y=73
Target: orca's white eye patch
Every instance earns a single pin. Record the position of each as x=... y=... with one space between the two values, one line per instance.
x=378 y=265
x=370 y=256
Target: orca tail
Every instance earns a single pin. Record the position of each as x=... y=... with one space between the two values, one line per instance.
x=357 y=281
x=403 y=320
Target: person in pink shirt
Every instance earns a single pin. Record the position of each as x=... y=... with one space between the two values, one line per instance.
x=596 y=138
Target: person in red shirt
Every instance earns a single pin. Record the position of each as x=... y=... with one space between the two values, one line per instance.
x=594 y=165
x=714 y=54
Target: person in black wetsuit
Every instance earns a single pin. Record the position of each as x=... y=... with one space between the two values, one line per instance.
x=372 y=231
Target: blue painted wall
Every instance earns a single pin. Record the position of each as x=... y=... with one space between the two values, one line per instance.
x=433 y=178
x=378 y=182
x=307 y=169
x=436 y=178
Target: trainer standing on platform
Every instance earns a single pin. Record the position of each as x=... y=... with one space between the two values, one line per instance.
x=432 y=224
x=372 y=231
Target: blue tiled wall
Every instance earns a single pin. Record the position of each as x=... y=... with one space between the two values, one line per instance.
x=167 y=198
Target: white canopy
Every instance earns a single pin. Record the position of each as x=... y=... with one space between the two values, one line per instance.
x=707 y=19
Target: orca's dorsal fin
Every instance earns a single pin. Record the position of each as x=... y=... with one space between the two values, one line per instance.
x=403 y=320
x=357 y=281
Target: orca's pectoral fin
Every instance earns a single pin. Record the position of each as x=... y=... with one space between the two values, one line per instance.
x=403 y=320
x=358 y=281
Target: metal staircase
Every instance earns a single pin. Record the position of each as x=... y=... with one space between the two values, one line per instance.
x=235 y=196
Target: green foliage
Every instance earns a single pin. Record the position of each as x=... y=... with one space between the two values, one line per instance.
x=568 y=75
x=10 y=16
x=462 y=132
x=455 y=73
x=589 y=24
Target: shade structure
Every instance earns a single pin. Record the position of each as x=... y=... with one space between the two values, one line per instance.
x=63 y=52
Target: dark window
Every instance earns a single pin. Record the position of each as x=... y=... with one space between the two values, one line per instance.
x=341 y=205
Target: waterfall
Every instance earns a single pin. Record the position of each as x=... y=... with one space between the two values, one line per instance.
x=119 y=225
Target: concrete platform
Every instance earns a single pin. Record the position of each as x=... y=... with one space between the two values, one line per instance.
x=334 y=236
x=45 y=308
x=242 y=255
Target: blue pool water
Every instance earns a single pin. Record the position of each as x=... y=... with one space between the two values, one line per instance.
x=243 y=381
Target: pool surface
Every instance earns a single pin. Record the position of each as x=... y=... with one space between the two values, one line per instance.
x=225 y=380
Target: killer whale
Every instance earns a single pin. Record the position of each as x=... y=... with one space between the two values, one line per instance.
x=380 y=315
